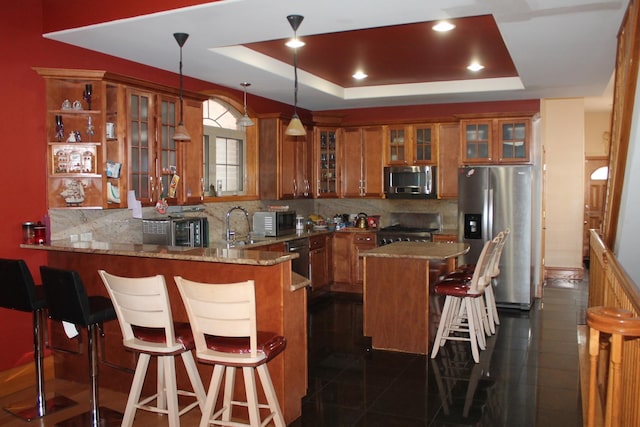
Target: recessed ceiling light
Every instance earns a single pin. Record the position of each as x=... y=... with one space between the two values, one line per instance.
x=359 y=75
x=443 y=26
x=295 y=43
x=474 y=66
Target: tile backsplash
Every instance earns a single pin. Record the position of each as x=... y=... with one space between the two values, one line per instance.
x=118 y=225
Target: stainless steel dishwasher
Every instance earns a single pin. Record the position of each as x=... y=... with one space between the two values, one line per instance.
x=300 y=265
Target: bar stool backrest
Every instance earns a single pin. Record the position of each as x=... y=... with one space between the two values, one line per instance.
x=495 y=267
x=221 y=310
x=141 y=302
x=481 y=274
x=17 y=289
x=66 y=296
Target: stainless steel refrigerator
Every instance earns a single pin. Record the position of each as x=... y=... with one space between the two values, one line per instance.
x=490 y=199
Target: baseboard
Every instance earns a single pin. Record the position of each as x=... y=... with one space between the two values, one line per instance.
x=21 y=377
x=564 y=273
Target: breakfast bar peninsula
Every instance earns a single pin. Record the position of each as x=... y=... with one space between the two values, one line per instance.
x=280 y=295
x=396 y=292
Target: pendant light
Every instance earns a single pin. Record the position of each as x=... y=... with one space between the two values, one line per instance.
x=245 y=121
x=295 y=127
x=181 y=133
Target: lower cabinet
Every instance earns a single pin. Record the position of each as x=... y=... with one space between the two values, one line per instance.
x=319 y=260
x=348 y=272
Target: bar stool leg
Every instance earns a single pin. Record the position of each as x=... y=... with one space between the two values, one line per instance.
x=97 y=416
x=43 y=405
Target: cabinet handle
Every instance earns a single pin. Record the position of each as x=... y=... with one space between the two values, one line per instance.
x=306 y=188
x=318 y=188
x=295 y=187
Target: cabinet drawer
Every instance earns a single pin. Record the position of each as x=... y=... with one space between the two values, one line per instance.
x=317 y=242
x=364 y=238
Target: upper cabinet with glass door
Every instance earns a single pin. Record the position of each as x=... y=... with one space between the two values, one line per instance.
x=326 y=161
x=493 y=141
x=411 y=145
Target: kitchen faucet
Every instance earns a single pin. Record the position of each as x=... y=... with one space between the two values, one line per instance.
x=231 y=233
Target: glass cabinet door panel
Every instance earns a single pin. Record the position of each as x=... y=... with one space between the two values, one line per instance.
x=396 y=145
x=168 y=152
x=423 y=144
x=139 y=107
x=327 y=163
x=477 y=140
x=514 y=144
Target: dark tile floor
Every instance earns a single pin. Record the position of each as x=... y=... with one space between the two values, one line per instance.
x=527 y=376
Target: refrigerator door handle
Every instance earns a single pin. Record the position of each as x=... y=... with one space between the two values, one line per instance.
x=488 y=218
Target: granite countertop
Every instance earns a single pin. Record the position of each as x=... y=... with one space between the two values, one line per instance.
x=248 y=256
x=418 y=250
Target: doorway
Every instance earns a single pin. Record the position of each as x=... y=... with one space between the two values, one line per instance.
x=595 y=189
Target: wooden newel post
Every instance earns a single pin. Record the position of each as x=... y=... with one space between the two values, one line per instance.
x=618 y=323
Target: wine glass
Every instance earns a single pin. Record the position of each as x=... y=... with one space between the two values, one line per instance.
x=59 y=128
x=88 y=89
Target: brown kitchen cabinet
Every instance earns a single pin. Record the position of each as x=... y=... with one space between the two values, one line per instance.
x=495 y=140
x=319 y=261
x=361 y=242
x=448 y=160
x=411 y=145
x=444 y=237
x=122 y=142
x=347 y=264
x=326 y=161
x=362 y=161
x=285 y=161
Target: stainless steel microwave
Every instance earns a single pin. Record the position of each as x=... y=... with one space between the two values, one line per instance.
x=274 y=224
x=410 y=182
x=193 y=232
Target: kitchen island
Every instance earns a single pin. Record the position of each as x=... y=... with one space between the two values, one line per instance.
x=280 y=295
x=396 y=293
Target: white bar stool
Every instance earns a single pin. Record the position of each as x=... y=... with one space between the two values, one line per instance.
x=144 y=313
x=223 y=319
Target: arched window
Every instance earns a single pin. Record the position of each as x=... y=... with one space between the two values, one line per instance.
x=224 y=150
x=600 y=174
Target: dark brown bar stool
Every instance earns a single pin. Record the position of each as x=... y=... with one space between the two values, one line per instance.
x=19 y=292
x=68 y=302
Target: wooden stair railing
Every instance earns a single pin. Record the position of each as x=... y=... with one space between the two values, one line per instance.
x=619 y=323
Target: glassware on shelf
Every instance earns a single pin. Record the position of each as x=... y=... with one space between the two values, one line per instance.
x=86 y=95
x=59 y=128
x=90 y=127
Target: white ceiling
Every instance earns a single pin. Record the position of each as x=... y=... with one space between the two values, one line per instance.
x=561 y=48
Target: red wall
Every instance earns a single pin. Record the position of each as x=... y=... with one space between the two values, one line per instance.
x=22 y=109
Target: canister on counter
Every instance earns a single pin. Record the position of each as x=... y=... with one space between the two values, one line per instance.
x=28 y=233
x=40 y=233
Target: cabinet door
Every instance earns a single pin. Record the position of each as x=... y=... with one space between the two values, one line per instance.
x=288 y=188
x=361 y=242
x=397 y=143
x=319 y=262
x=325 y=162
x=352 y=185
x=476 y=141
x=373 y=162
x=166 y=149
x=448 y=160
x=424 y=147
x=514 y=140
x=142 y=158
x=341 y=249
